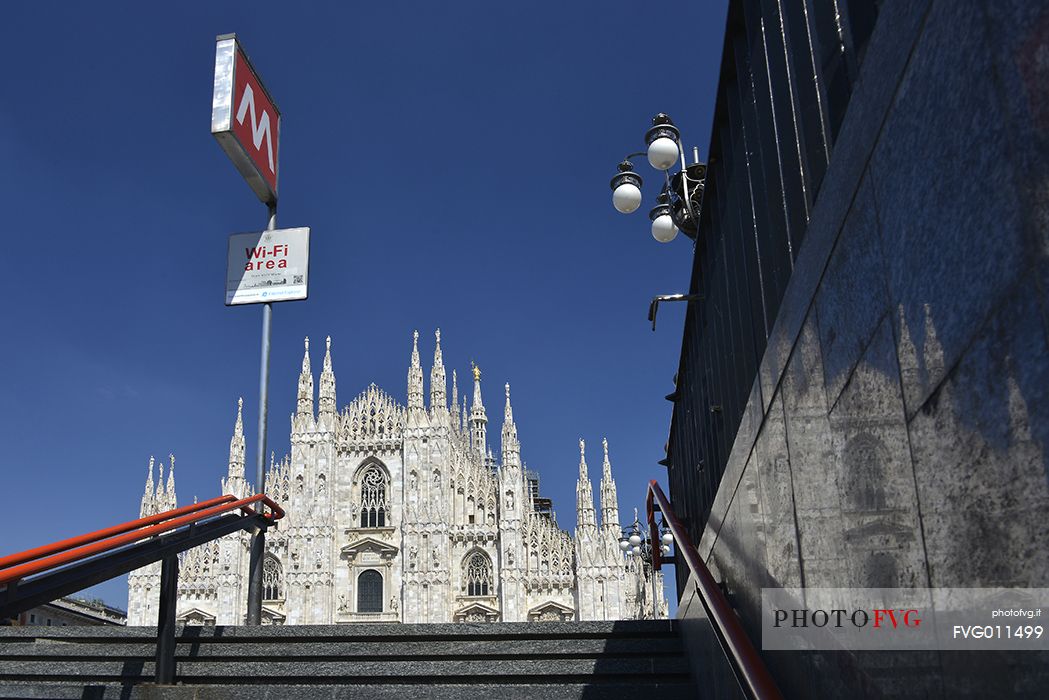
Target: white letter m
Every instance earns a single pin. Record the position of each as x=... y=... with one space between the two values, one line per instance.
x=260 y=128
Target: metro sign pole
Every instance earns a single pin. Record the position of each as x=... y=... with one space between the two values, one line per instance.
x=246 y=123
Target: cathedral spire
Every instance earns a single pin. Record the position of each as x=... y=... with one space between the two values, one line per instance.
x=234 y=482
x=584 y=493
x=303 y=420
x=455 y=400
x=148 y=505
x=478 y=404
x=478 y=418
x=169 y=489
x=438 y=400
x=236 y=444
x=158 y=496
x=511 y=445
x=305 y=399
x=508 y=410
x=326 y=404
x=415 y=377
x=609 y=500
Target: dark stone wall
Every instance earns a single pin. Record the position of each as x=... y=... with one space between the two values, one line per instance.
x=897 y=434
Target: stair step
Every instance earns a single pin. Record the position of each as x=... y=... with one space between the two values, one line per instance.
x=664 y=690
x=507 y=661
x=375 y=631
x=201 y=671
x=316 y=648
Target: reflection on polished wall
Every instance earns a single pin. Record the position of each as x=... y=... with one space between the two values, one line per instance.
x=895 y=432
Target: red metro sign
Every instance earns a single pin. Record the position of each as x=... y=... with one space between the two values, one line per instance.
x=244 y=119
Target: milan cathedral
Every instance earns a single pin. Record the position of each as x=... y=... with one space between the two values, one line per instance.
x=402 y=513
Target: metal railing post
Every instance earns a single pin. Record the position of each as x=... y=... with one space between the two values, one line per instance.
x=258 y=550
x=165 y=661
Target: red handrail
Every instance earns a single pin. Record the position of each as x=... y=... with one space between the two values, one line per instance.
x=40 y=559
x=752 y=673
x=62 y=545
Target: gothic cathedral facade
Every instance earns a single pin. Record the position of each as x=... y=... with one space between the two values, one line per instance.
x=402 y=513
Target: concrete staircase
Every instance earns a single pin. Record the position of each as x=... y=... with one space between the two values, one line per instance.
x=628 y=659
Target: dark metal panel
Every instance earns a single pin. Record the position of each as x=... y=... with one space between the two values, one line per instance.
x=719 y=303
x=831 y=66
x=741 y=260
x=807 y=98
x=782 y=66
x=785 y=125
x=858 y=18
x=757 y=198
x=774 y=243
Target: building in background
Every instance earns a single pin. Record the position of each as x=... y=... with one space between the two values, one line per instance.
x=861 y=396
x=70 y=611
x=403 y=513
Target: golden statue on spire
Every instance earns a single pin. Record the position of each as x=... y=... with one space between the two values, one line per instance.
x=476 y=371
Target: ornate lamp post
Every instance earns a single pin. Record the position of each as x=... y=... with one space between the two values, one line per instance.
x=638 y=548
x=681 y=198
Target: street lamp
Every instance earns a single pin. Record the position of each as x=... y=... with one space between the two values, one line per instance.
x=679 y=202
x=662 y=140
x=626 y=189
x=634 y=543
x=640 y=555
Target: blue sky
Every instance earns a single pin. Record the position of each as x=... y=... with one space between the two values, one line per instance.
x=452 y=161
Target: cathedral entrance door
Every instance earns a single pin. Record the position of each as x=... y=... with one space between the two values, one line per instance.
x=369 y=592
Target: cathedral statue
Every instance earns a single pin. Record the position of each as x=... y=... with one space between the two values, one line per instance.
x=358 y=519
